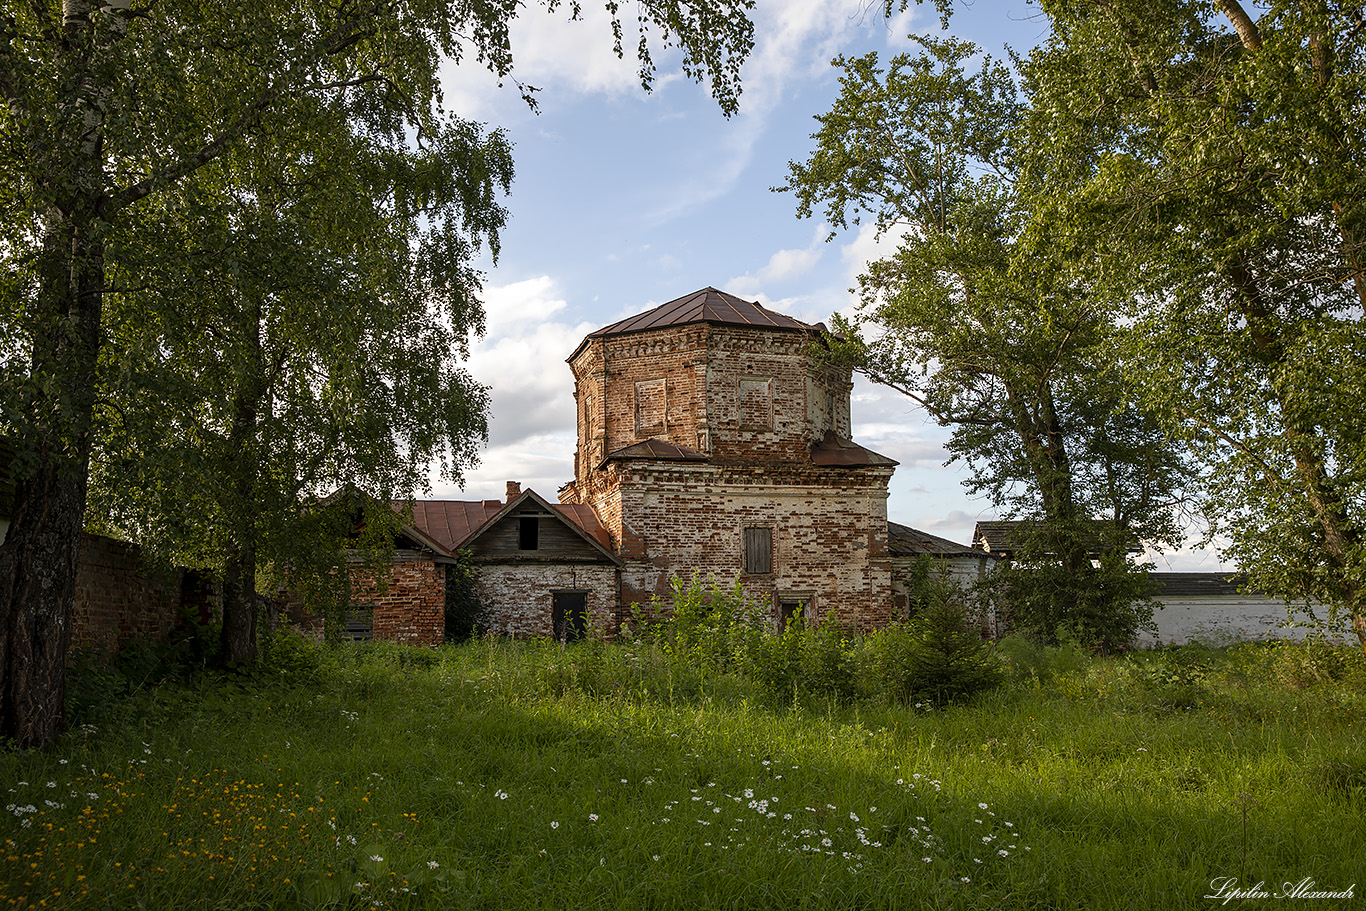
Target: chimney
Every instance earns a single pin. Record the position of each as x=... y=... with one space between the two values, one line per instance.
x=514 y=490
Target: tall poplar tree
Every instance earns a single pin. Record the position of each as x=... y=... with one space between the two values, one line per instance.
x=976 y=319
x=1209 y=166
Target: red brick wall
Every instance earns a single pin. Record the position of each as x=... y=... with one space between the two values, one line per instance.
x=412 y=609
x=666 y=519
x=518 y=599
x=117 y=598
x=704 y=367
x=829 y=533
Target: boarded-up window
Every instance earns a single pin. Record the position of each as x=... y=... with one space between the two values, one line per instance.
x=756 y=404
x=360 y=624
x=758 y=556
x=650 y=396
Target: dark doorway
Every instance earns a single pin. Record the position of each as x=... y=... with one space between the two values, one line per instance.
x=570 y=615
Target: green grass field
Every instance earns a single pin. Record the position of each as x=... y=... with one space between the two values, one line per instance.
x=500 y=775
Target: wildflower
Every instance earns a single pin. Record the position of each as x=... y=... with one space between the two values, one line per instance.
x=1003 y=853
x=655 y=857
x=965 y=879
x=554 y=824
x=376 y=858
x=592 y=817
x=981 y=806
x=925 y=859
x=432 y=865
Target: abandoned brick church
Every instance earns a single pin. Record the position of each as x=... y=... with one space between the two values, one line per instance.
x=711 y=440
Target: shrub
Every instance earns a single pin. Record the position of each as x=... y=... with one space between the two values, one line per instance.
x=710 y=628
x=937 y=656
x=465 y=614
x=816 y=660
x=1103 y=611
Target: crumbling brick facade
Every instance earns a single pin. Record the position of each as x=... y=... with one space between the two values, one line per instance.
x=118 y=598
x=412 y=607
x=738 y=490
x=520 y=598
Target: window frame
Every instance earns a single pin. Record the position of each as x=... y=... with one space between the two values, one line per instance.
x=748 y=550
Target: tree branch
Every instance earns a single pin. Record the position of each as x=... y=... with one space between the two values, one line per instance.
x=1247 y=30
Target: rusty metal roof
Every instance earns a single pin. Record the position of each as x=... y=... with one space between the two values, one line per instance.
x=836 y=452
x=451 y=523
x=657 y=450
x=582 y=515
x=904 y=541
x=705 y=306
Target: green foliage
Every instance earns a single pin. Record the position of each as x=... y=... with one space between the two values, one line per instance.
x=1103 y=610
x=465 y=614
x=705 y=639
x=806 y=660
x=248 y=233
x=1027 y=661
x=938 y=657
x=1204 y=165
x=977 y=318
x=448 y=776
x=709 y=628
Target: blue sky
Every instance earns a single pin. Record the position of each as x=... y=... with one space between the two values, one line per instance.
x=624 y=200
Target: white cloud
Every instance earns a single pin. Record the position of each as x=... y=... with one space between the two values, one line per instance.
x=555 y=54
x=532 y=414
x=541 y=462
x=782 y=266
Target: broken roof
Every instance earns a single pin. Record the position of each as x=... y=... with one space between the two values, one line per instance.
x=834 y=451
x=904 y=541
x=705 y=306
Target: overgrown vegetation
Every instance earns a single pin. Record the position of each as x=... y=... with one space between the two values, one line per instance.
x=706 y=632
x=599 y=775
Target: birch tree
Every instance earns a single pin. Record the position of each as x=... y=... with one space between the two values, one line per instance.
x=108 y=106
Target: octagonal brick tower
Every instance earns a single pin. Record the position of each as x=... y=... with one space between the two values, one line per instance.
x=712 y=440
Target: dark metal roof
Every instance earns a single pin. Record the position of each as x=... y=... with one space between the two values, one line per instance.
x=836 y=452
x=904 y=541
x=705 y=306
x=657 y=450
x=1007 y=537
x=1226 y=583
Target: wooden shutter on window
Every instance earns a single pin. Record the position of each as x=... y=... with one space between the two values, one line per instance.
x=758 y=550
